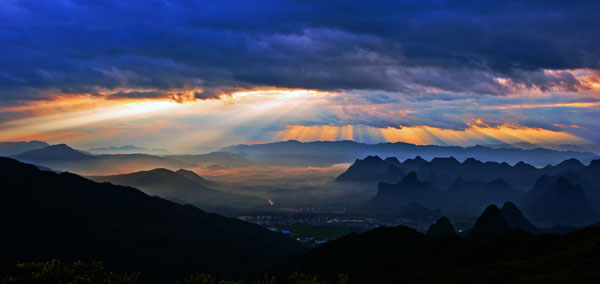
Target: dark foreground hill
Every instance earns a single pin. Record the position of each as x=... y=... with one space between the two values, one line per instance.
x=488 y=255
x=45 y=215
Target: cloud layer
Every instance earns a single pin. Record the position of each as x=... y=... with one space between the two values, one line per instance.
x=382 y=64
x=219 y=46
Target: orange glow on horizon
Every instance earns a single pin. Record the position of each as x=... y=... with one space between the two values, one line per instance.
x=476 y=133
x=575 y=105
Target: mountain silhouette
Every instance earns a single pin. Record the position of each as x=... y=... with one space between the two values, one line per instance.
x=489 y=226
x=443 y=171
x=64 y=158
x=499 y=190
x=560 y=202
x=127 y=149
x=564 y=166
x=68 y=217
x=590 y=173
x=390 y=197
x=372 y=168
x=441 y=228
x=515 y=218
x=59 y=152
x=182 y=186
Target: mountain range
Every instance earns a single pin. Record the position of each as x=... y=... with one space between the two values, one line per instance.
x=569 y=198
x=49 y=215
x=64 y=158
x=441 y=171
x=127 y=149
x=327 y=153
x=13 y=148
x=294 y=153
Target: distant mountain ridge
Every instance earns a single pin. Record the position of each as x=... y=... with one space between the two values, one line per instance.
x=326 y=152
x=64 y=158
x=127 y=149
x=13 y=148
x=53 y=153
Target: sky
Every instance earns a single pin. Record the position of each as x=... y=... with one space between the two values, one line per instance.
x=192 y=75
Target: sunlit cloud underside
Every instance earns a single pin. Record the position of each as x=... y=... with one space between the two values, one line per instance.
x=268 y=115
x=426 y=135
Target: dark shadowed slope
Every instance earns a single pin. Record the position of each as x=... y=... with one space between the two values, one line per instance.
x=441 y=228
x=515 y=218
x=13 y=148
x=182 y=185
x=402 y=255
x=194 y=177
x=489 y=226
x=47 y=215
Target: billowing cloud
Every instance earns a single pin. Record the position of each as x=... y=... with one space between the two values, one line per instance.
x=224 y=46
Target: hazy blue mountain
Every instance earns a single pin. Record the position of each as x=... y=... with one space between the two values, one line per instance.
x=498 y=191
x=68 y=217
x=219 y=158
x=373 y=168
x=54 y=153
x=463 y=196
x=13 y=148
x=564 y=166
x=326 y=153
x=64 y=158
x=391 y=197
x=441 y=172
x=414 y=211
x=591 y=173
x=560 y=202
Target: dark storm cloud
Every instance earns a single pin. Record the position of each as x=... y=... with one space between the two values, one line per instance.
x=223 y=46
